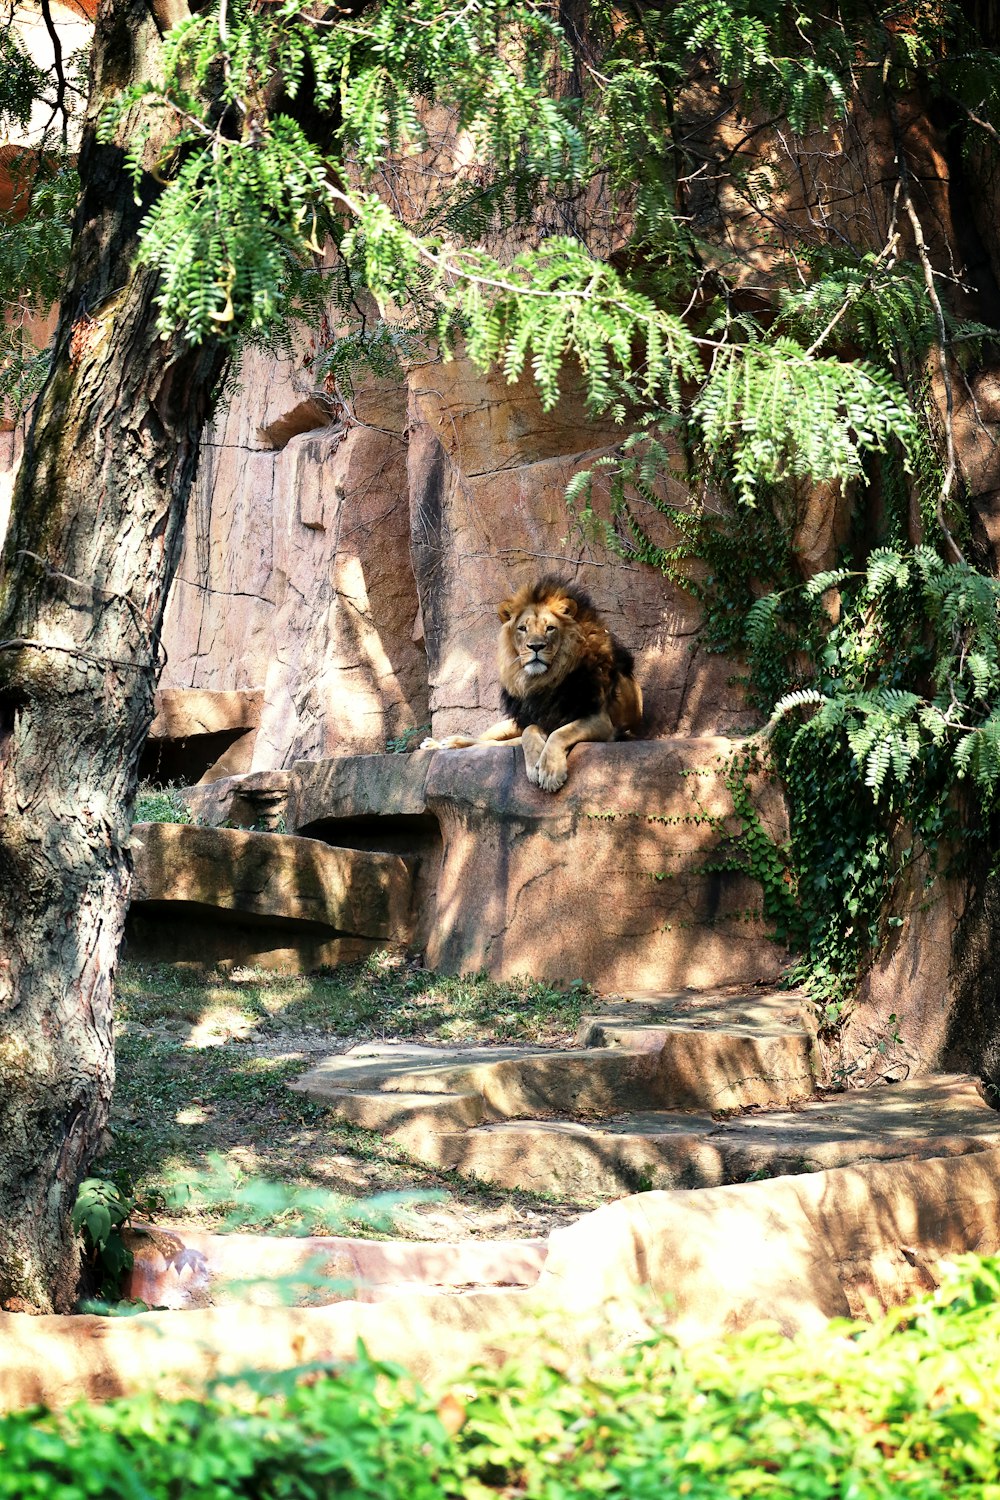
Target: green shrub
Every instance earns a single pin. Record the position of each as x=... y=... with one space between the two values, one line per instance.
x=907 y=1409
x=160 y=804
x=100 y=1214
x=354 y=1435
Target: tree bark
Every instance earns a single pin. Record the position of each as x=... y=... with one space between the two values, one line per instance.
x=90 y=553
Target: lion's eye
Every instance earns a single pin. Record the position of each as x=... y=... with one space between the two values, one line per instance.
x=522 y=630
x=550 y=630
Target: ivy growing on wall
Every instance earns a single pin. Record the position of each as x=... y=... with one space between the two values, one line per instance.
x=880 y=685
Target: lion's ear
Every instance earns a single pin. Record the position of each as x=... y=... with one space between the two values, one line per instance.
x=506 y=610
x=566 y=607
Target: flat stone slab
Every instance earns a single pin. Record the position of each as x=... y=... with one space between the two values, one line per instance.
x=358 y=786
x=185 y=712
x=211 y=895
x=666 y=1066
x=254 y=801
x=275 y=876
x=764 y=1011
x=936 y=1117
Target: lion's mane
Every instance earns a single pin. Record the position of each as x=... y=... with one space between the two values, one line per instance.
x=591 y=673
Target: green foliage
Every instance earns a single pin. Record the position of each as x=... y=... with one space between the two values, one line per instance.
x=252 y=1202
x=774 y=51
x=884 y=725
x=34 y=250
x=906 y=1408
x=160 y=804
x=21 y=81
x=886 y=736
x=773 y=412
x=246 y=190
x=409 y=739
x=354 y=1434
x=249 y=193
x=100 y=1213
x=271 y=130
x=755 y=853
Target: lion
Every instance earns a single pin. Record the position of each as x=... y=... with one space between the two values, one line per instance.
x=564 y=679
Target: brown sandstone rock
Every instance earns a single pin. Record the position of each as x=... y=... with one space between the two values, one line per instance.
x=931 y=998
x=198 y=737
x=349 y=788
x=295 y=577
x=185 y=712
x=605 y=880
x=793 y=1251
x=257 y=801
x=345 y=673
x=201 y=894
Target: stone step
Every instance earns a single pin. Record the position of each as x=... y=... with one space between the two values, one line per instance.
x=763 y=1010
x=406 y=1117
x=666 y=1065
x=933 y=1117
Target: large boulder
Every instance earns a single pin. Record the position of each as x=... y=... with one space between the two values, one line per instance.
x=930 y=998
x=615 y=879
x=611 y=880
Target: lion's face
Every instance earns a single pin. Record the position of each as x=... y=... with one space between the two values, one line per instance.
x=538 y=641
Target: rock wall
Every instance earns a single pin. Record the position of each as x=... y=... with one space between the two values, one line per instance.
x=348 y=563
x=616 y=880
x=295 y=576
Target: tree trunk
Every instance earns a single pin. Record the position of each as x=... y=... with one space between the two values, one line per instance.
x=91 y=550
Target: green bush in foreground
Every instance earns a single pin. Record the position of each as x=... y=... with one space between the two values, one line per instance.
x=909 y=1408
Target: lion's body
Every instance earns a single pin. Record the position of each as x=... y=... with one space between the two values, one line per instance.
x=589 y=673
x=564 y=679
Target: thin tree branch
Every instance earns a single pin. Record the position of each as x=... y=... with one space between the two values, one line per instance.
x=60 y=106
x=952 y=548
x=951 y=472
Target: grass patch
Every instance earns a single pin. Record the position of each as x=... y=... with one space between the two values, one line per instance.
x=381 y=997
x=203 y=1067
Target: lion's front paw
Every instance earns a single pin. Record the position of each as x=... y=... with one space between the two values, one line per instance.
x=533 y=745
x=552 y=770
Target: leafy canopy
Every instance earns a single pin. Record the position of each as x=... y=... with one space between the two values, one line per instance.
x=252 y=189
